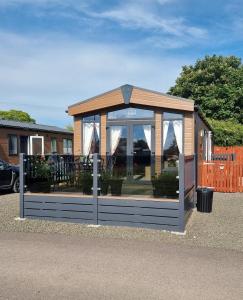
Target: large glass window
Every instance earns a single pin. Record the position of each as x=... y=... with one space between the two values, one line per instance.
x=172 y=133
x=172 y=116
x=131 y=113
x=91 y=134
x=53 y=145
x=67 y=146
x=13 y=145
x=172 y=139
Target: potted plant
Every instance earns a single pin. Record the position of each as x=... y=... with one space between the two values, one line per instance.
x=165 y=185
x=41 y=181
x=104 y=182
x=116 y=185
x=85 y=182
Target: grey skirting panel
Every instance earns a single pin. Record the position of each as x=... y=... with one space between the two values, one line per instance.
x=106 y=211
x=139 y=213
x=188 y=204
x=58 y=208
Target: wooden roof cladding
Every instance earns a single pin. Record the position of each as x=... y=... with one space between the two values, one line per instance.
x=128 y=94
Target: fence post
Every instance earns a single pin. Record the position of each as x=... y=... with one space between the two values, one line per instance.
x=181 y=192
x=95 y=186
x=21 y=184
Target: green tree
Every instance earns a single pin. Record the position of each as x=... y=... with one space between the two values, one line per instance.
x=216 y=84
x=16 y=115
x=69 y=127
x=227 y=133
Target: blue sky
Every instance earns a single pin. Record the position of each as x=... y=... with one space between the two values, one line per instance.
x=54 y=53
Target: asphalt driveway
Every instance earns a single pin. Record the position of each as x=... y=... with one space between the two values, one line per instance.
x=54 y=266
x=223 y=228
x=53 y=260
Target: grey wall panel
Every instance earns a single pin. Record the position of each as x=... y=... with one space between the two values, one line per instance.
x=121 y=212
x=132 y=210
x=143 y=225
x=59 y=214
x=138 y=219
x=58 y=199
x=82 y=221
x=59 y=206
x=75 y=209
x=139 y=203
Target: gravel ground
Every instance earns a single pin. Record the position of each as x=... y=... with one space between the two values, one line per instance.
x=223 y=228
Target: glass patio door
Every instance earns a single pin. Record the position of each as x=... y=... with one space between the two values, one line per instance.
x=131 y=151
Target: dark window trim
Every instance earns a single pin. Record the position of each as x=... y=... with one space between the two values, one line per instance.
x=131 y=119
x=54 y=138
x=68 y=139
x=13 y=135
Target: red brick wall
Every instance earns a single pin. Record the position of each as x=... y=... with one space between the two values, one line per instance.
x=4 y=133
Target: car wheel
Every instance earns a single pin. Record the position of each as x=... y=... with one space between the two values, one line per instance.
x=16 y=185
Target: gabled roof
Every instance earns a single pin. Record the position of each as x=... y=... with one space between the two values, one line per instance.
x=128 y=94
x=31 y=126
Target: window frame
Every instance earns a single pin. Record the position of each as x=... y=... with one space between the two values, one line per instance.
x=173 y=119
x=54 y=139
x=132 y=118
x=98 y=120
x=17 y=145
x=67 y=144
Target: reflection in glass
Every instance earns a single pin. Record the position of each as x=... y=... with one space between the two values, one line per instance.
x=142 y=152
x=36 y=146
x=93 y=118
x=172 y=116
x=131 y=113
x=172 y=145
x=118 y=150
x=91 y=134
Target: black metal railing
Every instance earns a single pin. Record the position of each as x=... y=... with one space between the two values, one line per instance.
x=52 y=173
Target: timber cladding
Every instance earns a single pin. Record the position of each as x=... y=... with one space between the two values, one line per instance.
x=78 y=136
x=103 y=121
x=189 y=133
x=138 y=96
x=14 y=159
x=102 y=101
x=147 y=98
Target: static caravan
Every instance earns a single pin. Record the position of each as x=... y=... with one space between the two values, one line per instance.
x=144 y=149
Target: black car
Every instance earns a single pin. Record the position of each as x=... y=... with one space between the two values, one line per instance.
x=9 y=177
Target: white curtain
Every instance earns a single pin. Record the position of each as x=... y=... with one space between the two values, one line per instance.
x=177 y=124
x=165 y=130
x=209 y=145
x=87 y=138
x=147 y=133
x=116 y=132
x=97 y=126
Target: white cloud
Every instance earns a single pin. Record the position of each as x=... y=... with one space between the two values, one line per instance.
x=143 y=15
x=136 y=14
x=50 y=72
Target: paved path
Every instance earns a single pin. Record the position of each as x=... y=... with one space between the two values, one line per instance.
x=52 y=266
